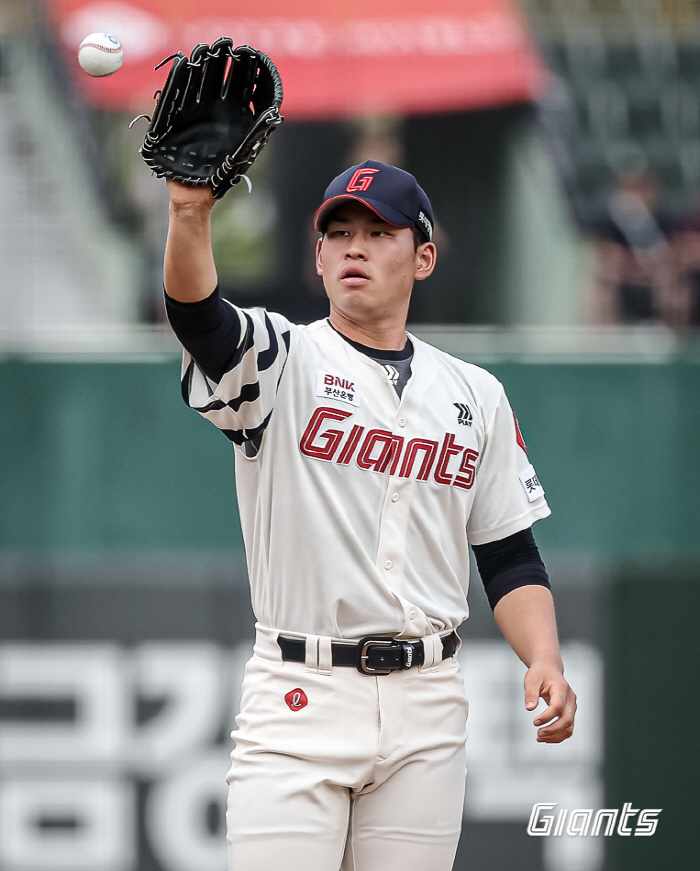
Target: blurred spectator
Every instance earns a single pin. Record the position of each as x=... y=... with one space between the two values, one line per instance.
x=634 y=258
x=686 y=248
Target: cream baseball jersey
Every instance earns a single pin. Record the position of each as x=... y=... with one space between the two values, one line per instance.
x=358 y=506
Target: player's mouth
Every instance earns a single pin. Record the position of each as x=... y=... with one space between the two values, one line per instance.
x=353 y=276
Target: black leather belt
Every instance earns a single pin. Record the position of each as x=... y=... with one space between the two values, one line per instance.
x=374 y=654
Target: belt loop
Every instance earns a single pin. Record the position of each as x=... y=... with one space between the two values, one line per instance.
x=432 y=649
x=325 y=655
x=311 y=661
x=266 y=644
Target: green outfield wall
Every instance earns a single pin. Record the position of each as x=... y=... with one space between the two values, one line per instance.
x=105 y=456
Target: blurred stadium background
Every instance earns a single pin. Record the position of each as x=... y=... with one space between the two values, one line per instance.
x=559 y=141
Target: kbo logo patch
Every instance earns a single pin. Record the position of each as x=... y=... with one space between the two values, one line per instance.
x=296 y=699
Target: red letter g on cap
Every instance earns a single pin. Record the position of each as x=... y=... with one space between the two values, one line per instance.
x=361 y=180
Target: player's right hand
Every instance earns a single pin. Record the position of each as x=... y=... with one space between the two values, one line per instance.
x=556 y=722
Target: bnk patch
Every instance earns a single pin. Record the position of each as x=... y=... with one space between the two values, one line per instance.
x=331 y=386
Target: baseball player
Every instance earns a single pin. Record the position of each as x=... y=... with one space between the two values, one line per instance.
x=367 y=463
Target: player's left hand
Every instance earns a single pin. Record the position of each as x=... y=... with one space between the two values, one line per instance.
x=213 y=116
x=556 y=722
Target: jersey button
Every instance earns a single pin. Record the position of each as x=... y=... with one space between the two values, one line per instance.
x=395 y=497
x=411 y=615
x=402 y=421
x=388 y=564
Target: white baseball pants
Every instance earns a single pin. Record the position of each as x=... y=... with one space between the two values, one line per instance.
x=334 y=769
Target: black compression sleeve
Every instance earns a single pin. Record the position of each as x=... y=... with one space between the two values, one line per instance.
x=209 y=329
x=510 y=563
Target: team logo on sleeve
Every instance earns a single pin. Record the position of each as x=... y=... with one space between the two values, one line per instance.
x=465 y=413
x=332 y=386
x=519 y=435
x=296 y=699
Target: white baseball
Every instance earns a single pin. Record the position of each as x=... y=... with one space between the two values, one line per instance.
x=100 y=54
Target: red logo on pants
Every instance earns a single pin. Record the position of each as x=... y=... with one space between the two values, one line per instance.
x=296 y=699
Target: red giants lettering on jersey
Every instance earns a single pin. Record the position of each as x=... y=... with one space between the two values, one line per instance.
x=379 y=450
x=328 y=442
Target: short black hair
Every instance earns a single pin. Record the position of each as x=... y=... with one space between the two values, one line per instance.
x=418 y=237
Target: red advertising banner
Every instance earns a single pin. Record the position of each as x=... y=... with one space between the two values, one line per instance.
x=336 y=59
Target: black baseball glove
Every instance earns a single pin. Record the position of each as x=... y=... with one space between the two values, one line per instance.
x=216 y=111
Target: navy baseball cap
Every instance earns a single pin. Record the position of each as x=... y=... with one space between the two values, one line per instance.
x=390 y=192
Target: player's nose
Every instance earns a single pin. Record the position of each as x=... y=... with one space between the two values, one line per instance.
x=357 y=246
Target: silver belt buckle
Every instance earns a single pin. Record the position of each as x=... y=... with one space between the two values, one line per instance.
x=364 y=646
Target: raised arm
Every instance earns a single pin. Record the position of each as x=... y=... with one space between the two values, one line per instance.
x=526 y=618
x=242 y=352
x=189 y=269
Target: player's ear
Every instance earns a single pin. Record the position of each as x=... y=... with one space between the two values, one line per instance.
x=319 y=267
x=426 y=257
